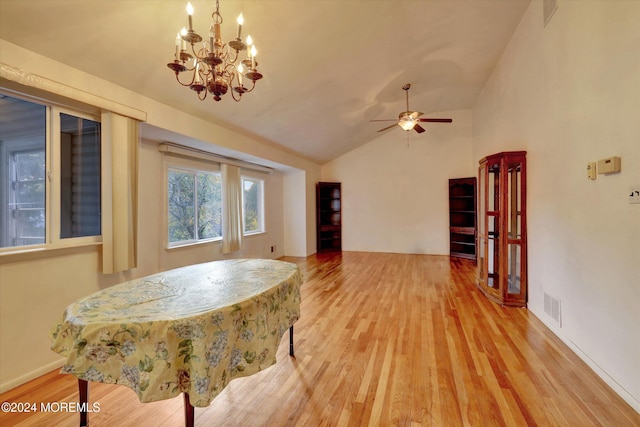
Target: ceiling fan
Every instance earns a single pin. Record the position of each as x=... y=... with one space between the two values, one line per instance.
x=408 y=120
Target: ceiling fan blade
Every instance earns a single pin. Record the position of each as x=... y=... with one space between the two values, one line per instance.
x=418 y=128
x=387 y=128
x=436 y=120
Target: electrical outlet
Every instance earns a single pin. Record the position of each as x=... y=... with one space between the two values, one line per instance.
x=634 y=194
x=273 y=249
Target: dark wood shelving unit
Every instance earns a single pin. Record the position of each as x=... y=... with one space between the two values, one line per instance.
x=329 y=216
x=462 y=218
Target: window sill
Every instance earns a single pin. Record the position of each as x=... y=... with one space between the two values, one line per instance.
x=208 y=242
x=257 y=233
x=46 y=251
x=193 y=244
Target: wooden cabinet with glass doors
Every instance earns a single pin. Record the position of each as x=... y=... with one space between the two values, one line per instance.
x=502 y=228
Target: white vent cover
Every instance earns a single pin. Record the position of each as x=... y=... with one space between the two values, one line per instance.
x=549 y=7
x=552 y=308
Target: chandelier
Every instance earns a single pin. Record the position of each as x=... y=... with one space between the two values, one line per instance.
x=214 y=66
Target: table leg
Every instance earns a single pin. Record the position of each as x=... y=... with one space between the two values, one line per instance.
x=189 y=412
x=83 y=390
x=291 y=341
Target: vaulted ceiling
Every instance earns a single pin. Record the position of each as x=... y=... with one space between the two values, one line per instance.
x=330 y=66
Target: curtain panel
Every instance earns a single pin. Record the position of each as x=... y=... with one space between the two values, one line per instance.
x=232 y=233
x=120 y=144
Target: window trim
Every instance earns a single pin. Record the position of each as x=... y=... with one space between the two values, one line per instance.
x=54 y=172
x=176 y=162
x=174 y=157
x=261 y=205
x=52 y=240
x=195 y=173
x=7 y=150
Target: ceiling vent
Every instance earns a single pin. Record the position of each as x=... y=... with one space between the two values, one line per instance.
x=549 y=8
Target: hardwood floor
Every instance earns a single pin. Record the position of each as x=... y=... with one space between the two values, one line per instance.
x=384 y=340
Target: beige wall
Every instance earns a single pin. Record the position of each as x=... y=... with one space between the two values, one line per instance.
x=294 y=217
x=569 y=93
x=395 y=190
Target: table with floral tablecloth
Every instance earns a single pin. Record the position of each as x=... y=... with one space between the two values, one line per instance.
x=190 y=330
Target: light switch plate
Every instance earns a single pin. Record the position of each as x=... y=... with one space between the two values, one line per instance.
x=591 y=170
x=634 y=194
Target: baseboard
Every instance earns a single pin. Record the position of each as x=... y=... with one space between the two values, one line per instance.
x=611 y=382
x=11 y=384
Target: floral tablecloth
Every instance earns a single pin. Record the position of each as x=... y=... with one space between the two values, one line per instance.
x=191 y=330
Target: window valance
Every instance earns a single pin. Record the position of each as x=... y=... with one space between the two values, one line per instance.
x=21 y=81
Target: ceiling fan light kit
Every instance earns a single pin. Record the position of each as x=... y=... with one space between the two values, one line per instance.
x=215 y=67
x=408 y=120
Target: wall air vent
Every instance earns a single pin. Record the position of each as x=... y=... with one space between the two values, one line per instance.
x=549 y=8
x=552 y=309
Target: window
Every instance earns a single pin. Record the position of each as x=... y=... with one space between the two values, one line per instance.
x=49 y=174
x=79 y=177
x=195 y=206
x=23 y=192
x=196 y=186
x=252 y=205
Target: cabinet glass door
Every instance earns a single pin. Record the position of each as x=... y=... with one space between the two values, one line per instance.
x=514 y=227
x=493 y=225
x=482 y=226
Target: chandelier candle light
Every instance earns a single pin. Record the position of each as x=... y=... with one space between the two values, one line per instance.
x=215 y=66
